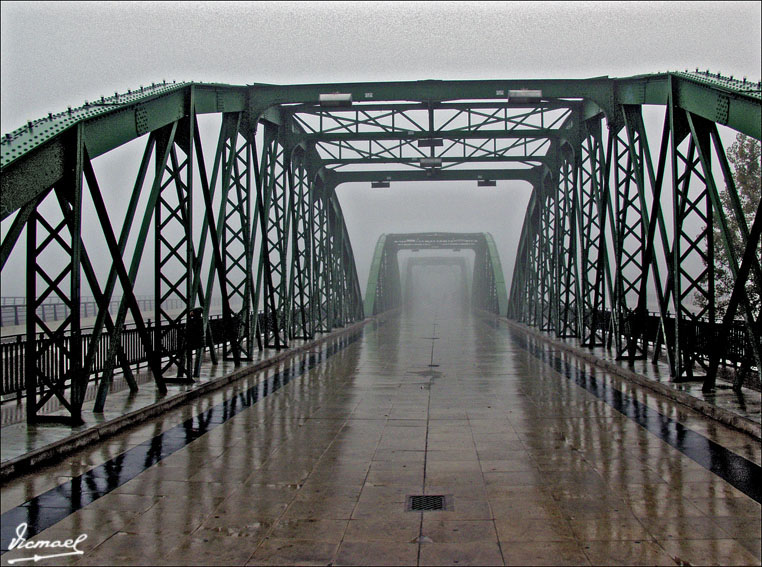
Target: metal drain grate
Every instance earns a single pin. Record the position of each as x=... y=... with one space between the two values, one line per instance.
x=428 y=503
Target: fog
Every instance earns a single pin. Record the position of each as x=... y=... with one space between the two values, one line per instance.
x=436 y=290
x=55 y=55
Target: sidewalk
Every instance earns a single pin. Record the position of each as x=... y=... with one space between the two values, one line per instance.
x=26 y=445
x=741 y=410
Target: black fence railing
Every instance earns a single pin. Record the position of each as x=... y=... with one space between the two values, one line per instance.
x=13 y=309
x=701 y=337
x=55 y=360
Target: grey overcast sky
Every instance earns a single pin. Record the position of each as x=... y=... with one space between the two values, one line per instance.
x=58 y=54
x=55 y=54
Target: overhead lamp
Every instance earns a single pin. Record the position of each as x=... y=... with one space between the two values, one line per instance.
x=486 y=183
x=430 y=142
x=336 y=99
x=379 y=184
x=431 y=162
x=524 y=95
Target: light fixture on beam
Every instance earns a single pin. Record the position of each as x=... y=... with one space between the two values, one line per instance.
x=430 y=142
x=431 y=162
x=336 y=99
x=524 y=95
x=486 y=183
x=379 y=184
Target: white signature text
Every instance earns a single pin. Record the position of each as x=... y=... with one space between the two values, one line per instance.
x=20 y=542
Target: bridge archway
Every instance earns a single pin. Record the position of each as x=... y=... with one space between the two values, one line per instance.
x=384 y=290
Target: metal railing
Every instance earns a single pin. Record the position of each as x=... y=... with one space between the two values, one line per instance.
x=55 y=360
x=700 y=336
x=13 y=308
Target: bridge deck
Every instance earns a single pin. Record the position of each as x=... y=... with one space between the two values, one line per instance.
x=545 y=460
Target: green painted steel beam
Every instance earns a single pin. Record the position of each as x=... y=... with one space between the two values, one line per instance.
x=31 y=175
x=499 y=277
x=494 y=103
x=28 y=155
x=434 y=240
x=602 y=91
x=529 y=133
x=723 y=100
x=446 y=161
x=597 y=89
x=112 y=121
x=375 y=268
x=530 y=175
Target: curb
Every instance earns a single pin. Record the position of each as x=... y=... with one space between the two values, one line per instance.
x=55 y=451
x=726 y=417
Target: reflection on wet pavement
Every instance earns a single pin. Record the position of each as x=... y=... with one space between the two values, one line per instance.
x=547 y=460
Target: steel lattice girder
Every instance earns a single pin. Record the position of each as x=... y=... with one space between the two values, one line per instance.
x=595 y=237
x=384 y=288
x=623 y=207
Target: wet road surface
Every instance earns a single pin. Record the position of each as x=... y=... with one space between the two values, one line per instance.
x=543 y=460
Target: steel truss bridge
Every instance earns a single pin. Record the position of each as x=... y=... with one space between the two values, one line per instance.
x=613 y=214
x=385 y=287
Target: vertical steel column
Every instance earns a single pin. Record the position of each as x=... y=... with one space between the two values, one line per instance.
x=272 y=202
x=527 y=301
x=300 y=283
x=321 y=255
x=592 y=199
x=239 y=265
x=533 y=308
x=547 y=255
x=335 y=246
x=744 y=270
x=478 y=299
x=54 y=358
x=567 y=283
x=629 y=231
x=174 y=255
x=640 y=156
x=749 y=272
x=688 y=200
x=229 y=232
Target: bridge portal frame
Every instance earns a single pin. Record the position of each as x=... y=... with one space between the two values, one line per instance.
x=384 y=289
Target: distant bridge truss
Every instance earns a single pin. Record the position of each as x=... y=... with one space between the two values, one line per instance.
x=616 y=213
x=437 y=262
x=385 y=284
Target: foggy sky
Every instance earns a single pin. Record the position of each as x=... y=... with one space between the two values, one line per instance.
x=55 y=55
